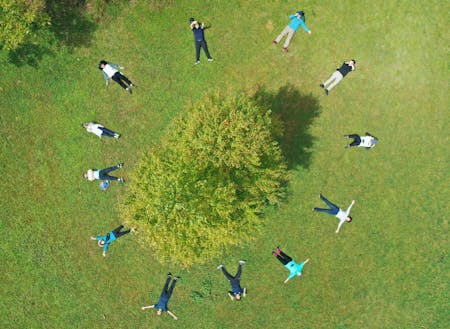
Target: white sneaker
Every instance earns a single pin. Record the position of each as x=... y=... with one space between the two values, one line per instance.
x=210 y=59
x=242 y=262
x=219 y=267
x=197 y=62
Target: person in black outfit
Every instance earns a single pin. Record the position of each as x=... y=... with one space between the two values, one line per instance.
x=166 y=293
x=338 y=75
x=200 y=42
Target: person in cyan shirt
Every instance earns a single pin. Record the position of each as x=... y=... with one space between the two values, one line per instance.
x=338 y=75
x=368 y=141
x=105 y=240
x=166 y=293
x=297 y=21
x=294 y=268
x=334 y=210
x=111 y=71
x=236 y=290
x=103 y=174
x=199 y=38
x=99 y=130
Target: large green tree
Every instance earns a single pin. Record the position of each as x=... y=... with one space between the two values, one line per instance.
x=206 y=185
x=18 y=19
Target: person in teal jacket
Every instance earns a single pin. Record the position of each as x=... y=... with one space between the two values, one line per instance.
x=297 y=20
x=105 y=240
x=293 y=267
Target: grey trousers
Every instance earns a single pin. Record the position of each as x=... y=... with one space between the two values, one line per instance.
x=290 y=33
x=335 y=78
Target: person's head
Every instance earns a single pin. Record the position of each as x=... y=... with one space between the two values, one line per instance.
x=85 y=125
x=238 y=297
x=102 y=64
x=85 y=175
x=101 y=243
x=354 y=62
x=300 y=13
x=159 y=311
x=348 y=219
x=191 y=20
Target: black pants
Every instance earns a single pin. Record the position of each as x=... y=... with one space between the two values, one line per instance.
x=204 y=45
x=103 y=174
x=356 y=139
x=235 y=278
x=118 y=233
x=107 y=132
x=119 y=78
x=167 y=292
x=283 y=258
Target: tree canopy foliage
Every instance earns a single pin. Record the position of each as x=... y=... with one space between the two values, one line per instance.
x=205 y=187
x=18 y=19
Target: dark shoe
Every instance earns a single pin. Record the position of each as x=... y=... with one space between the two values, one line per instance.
x=169 y=274
x=326 y=92
x=285 y=50
x=322 y=85
x=120 y=165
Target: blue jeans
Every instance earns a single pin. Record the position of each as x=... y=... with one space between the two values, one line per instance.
x=103 y=174
x=333 y=208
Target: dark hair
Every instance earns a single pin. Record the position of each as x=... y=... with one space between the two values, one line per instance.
x=350 y=219
x=102 y=62
x=107 y=237
x=191 y=19
x=354 y=61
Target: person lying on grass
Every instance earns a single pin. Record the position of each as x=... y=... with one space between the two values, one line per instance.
x=105 y=240
x=166 y=293
x=334 y=210
x=236 y=290
x=293 y=267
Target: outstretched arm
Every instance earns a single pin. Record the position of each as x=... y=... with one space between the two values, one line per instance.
x=350 y=207
x=245 y=292
x=146 y=307
x=285 y=281
x=231 y=296
x=339 y=225
x=172 y=315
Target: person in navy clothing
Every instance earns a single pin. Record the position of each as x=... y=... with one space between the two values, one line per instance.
x=236 y=290
x=199 y=38
x=166 y=293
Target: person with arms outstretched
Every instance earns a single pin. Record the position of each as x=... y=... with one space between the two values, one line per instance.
x=166 y=293
x=297 y=20
x=294 y=268
x=334 y=210
x=105 y=240
x=236 y=290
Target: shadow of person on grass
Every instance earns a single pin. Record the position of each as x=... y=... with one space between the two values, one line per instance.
x=292 y=113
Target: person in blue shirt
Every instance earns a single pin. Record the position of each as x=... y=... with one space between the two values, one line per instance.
x=105 y=240
x=297 y=20
x=293 y=267
x=199 y=38
x=166 y=293
x=236 y=290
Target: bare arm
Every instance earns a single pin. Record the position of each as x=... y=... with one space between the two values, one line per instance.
x=146 y=307
x=93 y=238
x=245 y=292
x=172 y=315
x=231 y=296
x=306 y=261
x=285 y=281
x=339 y=226
x=350 y=207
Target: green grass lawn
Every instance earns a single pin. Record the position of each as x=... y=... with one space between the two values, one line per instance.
x=388 y=269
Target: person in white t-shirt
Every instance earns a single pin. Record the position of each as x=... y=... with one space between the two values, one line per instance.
x=334 y=210
x=99 y=130
x=368 y=141
x=111 y=71
x=103 y=174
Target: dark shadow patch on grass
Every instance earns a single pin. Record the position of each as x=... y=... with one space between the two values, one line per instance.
x=293 y=112
x=28 y=54
x=71 y=24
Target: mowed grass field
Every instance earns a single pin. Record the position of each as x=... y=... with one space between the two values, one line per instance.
x=389 y=268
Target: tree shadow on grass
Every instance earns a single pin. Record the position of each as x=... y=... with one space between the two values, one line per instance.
x=293 y=112
x=28 y=54
x=71 y=24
